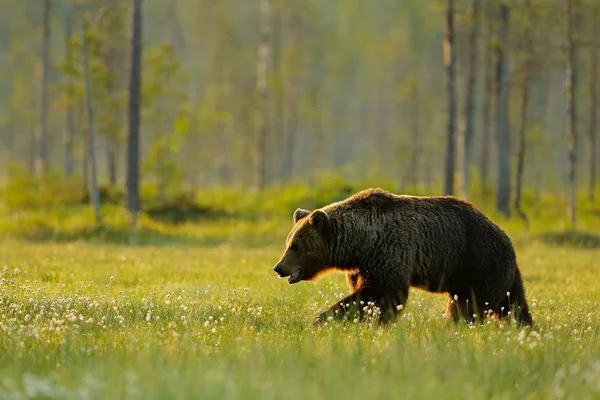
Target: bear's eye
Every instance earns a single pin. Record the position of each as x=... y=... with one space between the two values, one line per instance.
x=294 y=246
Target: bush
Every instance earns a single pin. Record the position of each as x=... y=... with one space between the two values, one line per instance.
x=182 y=208
x=25 y=192
x=283 y=199
x=108 y=195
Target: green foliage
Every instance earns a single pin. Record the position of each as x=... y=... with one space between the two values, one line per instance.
x=182 y=208
x=109 y=95
x=165 y=115
x=108 y=195
x=26 y=192
x=282 y=200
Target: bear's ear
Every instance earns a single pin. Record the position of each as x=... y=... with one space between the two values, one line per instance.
x=299 y=214
x=320 y=220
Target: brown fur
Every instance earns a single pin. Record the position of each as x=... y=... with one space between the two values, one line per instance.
x=387 y=243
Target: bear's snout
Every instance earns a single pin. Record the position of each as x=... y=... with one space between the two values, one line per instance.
x=278 y=269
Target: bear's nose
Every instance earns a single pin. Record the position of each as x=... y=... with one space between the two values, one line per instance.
x=277 y=269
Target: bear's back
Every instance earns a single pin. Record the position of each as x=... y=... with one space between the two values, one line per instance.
x=435 y=220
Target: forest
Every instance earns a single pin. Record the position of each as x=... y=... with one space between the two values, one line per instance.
x=152 y=155
x=480 y=98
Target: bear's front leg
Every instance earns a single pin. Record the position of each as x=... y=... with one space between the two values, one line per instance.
x=366 y=302
x=354 y=280
x=348 y=307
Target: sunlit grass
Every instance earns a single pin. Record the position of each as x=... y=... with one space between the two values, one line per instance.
x=195 y=311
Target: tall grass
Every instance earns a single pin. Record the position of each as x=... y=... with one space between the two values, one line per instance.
x=195 y=311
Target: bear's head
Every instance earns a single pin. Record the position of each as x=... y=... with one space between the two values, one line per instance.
x=306 y=253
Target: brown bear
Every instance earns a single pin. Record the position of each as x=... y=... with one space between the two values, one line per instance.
x=387 y=243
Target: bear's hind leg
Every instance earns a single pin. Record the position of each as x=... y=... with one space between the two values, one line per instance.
x=515 y=302
x=464 y=309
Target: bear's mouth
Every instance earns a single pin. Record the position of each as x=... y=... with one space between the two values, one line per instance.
x=295 y=277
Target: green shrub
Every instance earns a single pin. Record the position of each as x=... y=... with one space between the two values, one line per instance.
x=108 y=195
x=182 y=208
x=25 y=192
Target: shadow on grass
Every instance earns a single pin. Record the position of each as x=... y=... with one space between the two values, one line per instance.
x=183 y=209
x=103 y=234
x=142 y=236
x=576 y=239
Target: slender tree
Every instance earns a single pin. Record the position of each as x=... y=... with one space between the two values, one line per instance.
x=41 y=131
x=264 y=50
x=295 y=24
x=90 y=114
x=593 y=101
x=70 y=121
x=488 y=100
x=416 y=133
x=278 y=84
x=524 y=95
x=502 y=113
x=133 y=140
x=449 y=61
x=470 y=99
x=571 y=106
x=112 y=58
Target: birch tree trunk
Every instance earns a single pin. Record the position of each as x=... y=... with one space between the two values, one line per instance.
x=95 y=197
x=502 y=114
x=488 y=103
x=70 y=122
x=291 y=94
x=593 y=102
x=112 y=57
x=278 y=133
x=41 y=131
x=470 y=99
x=571 y=74
x=133 y=139
x=264 y=50
x=449 y=61
x=524 y=95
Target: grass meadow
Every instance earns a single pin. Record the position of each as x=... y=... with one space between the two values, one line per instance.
x=195 y=311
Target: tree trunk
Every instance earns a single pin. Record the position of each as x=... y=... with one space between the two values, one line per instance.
x=470 y=99
x=224 y=154
x=161 y=195
x=571 y=107
x=449 y=61
x=278 y=88
x=32 y=147
x=111 y=159
x=292 y=126
x=318 y=145
x=175 y=34
x=41 y=131
x=7 y=92
x=593 y=102
x=291 y=101
x=502 y=114
x=95 y=198
x=113 y=59
x=525 y=74
x=70 y=123
x=411 y=173
x=488 y=102
x=84 y=144
x=522 y=144
x=264 y=49
x=417 y=135
x=133 y=140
